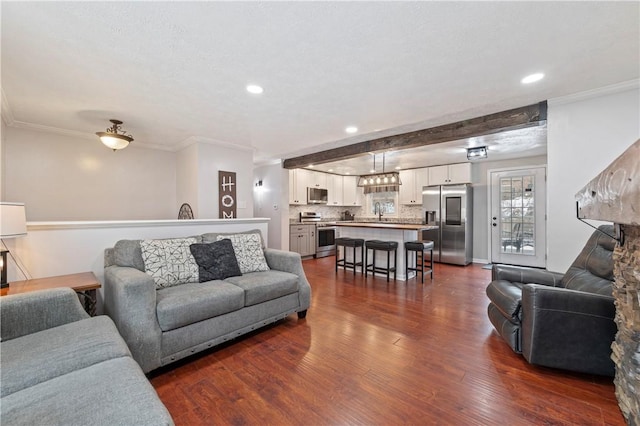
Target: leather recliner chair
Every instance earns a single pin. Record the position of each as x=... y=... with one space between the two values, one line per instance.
x=560 y=320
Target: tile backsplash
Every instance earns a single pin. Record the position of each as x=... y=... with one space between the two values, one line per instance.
x=410 y=214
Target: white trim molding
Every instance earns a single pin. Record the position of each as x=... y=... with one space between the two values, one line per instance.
x=210 y=141
x=595 y=93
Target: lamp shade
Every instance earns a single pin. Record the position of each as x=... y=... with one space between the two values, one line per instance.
x=13 y=220
x=115 y=138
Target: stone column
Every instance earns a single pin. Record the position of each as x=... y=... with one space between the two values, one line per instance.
x=626 y=347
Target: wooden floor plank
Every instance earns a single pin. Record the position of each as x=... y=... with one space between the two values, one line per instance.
x=377 y=353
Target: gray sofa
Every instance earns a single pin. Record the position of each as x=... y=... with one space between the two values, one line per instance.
x=164 y=325
x=62 y=367
x=560 y=320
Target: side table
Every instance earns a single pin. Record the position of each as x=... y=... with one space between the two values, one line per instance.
x=84 y=284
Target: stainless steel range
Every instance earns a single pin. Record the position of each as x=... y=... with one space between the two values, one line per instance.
x=325 y=234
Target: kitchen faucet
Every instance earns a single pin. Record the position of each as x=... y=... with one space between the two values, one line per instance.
x=377 y=208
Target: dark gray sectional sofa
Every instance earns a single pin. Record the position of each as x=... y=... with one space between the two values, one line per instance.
x=62 y=367
x=163 y=325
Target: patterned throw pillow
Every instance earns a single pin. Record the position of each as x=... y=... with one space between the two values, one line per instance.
x=216 y=260
x=248 y=249
x=169 y=261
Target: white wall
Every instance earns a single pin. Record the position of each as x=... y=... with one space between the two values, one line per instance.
x=187 y=178
x=3 y=128
x=213 y=158
x=586 y=132
x=271 y=200
x=61 y=177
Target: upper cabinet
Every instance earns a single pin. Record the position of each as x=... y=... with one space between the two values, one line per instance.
x=450 y=174
x=298 y=183
x=412 y=182
x=351 y=193
x=334 y=190
x=317 y=179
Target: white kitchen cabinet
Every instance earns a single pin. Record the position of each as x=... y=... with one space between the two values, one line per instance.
x=298 y=183
x=302 y=239
x=334 y=190
x=351 y=193
x=317 y=179
x=450 y=174
x=412 y=182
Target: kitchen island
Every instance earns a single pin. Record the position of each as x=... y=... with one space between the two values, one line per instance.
x=386 y=231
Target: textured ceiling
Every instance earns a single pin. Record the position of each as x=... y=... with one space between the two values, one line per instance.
x=175 y=72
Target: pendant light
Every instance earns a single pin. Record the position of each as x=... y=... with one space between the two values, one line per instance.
x=380 y=179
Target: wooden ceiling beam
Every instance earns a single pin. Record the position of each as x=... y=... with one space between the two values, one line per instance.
x=518 y=118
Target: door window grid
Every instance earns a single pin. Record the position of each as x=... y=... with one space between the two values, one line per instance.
x=517 y=218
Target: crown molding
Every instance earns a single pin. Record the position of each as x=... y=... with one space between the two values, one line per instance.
x=269 y=162
x=210 y=141
x=596 y=93
x=7 y=114
x=81 y=135
x=50 y=129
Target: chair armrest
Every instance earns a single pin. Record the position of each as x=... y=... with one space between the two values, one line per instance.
x=506 y=296
x=288 y=261
x=27 y=313
x=568 y=329
x=130 y=301
x=525 y=275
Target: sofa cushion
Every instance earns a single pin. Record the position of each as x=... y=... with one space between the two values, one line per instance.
x=186 y=304
x=113 y=392
x=57 y=351
x=210 y=237
x=592 y=271
x=267 y=285
x=248 y=249
x=216 y=261
x=128 y=253
x=169 y=261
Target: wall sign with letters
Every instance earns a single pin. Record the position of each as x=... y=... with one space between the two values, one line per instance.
x=227 y=195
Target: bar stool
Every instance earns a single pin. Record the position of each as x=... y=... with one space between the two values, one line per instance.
x=419 y=247
x=349 y=242
x=377 y=245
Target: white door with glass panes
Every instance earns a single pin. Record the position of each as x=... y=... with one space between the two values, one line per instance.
x=518 y=217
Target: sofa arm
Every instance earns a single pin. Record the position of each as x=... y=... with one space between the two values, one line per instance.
x=568 y=329
x=130 y=301
x=506 y=296
x=288 y=261
x=27 y=313
x=522 y=274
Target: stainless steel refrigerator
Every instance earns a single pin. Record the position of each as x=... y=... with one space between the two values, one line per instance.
x=450 y=207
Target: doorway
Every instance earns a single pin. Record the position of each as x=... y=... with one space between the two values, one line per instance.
x=518 y=216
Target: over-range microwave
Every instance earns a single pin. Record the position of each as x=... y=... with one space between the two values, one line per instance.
x=316 y=196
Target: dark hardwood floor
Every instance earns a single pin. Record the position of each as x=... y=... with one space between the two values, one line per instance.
x=376 y=353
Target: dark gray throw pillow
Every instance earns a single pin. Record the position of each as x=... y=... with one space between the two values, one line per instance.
x=216 y=261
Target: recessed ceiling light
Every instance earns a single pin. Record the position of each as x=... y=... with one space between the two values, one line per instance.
x=330 y=170
x=310 y=166
x=351 y=129
x=347 y=173
x=532 y=78
x=398 y=168
x=255 y=89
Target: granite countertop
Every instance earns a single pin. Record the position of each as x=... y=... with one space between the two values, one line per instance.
x=387 y=225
